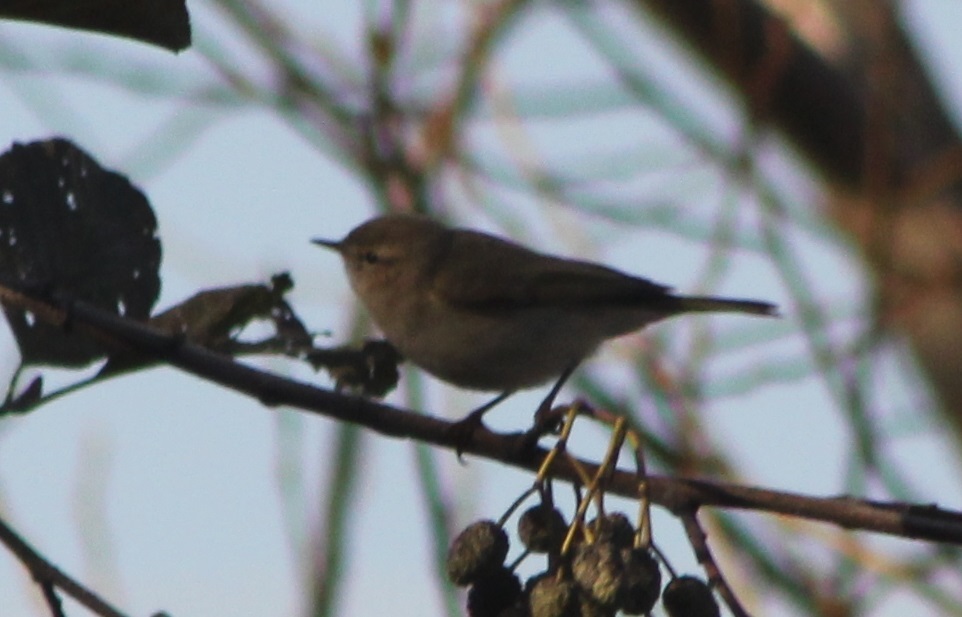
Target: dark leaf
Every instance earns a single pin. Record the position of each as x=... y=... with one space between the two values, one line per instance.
x=160 y=22
x=74 y=227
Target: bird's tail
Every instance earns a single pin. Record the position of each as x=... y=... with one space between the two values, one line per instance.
x=708 y=304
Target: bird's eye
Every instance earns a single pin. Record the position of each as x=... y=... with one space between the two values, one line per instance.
x=370 y=257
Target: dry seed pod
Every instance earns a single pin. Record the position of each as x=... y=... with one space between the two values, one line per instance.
x=688 y=596
x=549 y=596
x=494 y=593
x=589 y=607
x=598 y=570
x=641 y=582
x=613 y=527
x=542 y=528
x=478 y=550
x=519 y=609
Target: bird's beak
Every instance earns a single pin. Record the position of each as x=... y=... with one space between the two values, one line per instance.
x=334 y=245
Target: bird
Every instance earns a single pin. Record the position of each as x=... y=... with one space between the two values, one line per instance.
x=484 y=313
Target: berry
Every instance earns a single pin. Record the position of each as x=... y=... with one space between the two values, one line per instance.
x=515 y=610
x=613 y=527
x=687 y=596
x=550 y=596
x=478 y=550
x=542 y=528
x=588 y=607
x=494 y=593
x=641 y=584
x=598 y=569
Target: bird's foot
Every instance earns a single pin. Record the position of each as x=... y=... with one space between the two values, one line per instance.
x=547 y=421
x=462 y=432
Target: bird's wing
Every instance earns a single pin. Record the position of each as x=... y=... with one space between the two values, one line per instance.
x=510 y=276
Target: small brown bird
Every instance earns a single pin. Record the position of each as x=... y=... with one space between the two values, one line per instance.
x=484 y=313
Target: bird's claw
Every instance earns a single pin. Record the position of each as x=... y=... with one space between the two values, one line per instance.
x=462 y=432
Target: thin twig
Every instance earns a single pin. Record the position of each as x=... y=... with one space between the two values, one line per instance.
x=52 y=599
x=48 y=575
x=699 y=543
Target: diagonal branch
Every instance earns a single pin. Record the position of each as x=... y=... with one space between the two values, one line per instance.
x=49 y=576
x=679 y=495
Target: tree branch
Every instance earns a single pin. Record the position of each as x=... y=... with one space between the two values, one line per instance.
x=48 y=575
x=679 y=495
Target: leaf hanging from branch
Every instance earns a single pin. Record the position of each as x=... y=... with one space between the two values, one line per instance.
x=162 y=22
x=70 y=225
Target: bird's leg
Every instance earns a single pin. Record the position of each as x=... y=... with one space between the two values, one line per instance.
x=476 y=416
x=545 y=420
